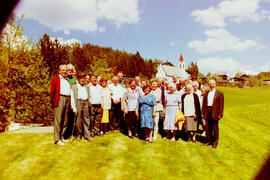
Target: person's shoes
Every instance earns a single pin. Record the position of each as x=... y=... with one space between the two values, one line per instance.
x=207 y=144
x=164 y=137
x=78 y=138
x=155 y=138
x=101 y=132
x=131 y=137
x=106 y=133
x=65 y=140
x=136 y=135
x=203 y=134
x=147 y=139
x=214 y=146
x=89 y=140
x=60 y=143
x=173 y=139
x=129 y=133
x=194 y=139
x=188 y=140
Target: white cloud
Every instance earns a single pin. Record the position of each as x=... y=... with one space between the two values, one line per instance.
x=265 y=67
x=102 y=29
x=229 y=66
x=66 y=15
x=209 y=17
x=68 y=41
x=234 y=10
x=220 y=40
x=172 y=44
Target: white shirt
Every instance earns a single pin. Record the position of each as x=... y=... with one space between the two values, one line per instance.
x=198 y=92
x=189 y=109
x=117 y=92
x=64 y=86
x=82 y=92
x=157 y=94
x=139 y=91
x=95 y=94
x=82 y=95
x=106 y=98
x=210 y=97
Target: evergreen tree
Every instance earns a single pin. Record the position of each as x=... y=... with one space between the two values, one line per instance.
x=193 y=70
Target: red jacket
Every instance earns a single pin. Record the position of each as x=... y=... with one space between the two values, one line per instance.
x=55 y=91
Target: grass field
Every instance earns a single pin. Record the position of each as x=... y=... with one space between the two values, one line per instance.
x=243 y=147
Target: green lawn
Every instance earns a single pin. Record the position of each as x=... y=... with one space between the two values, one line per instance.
x=243 y=147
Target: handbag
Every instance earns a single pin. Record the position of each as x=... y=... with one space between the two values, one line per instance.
x=179 y=119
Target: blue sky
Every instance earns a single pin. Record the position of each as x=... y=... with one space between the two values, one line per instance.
x=220 y=36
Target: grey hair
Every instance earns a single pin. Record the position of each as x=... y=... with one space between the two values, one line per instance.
x=212 y=81
x=172 y=85
x=195 y=83
x=70 y=66
x=189 y=86
x=203 y=87
x=63 y=66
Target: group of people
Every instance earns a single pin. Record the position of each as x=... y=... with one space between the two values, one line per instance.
x=97 y=104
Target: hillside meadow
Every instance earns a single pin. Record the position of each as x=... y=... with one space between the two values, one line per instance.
x=243 y=148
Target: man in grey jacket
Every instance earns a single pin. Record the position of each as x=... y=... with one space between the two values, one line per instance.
x=80 y=107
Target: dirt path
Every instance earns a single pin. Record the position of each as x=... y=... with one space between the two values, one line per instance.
x=34 y=130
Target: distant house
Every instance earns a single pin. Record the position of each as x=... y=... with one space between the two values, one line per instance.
x=235 y=79
x=167 y=71
x=245 y=77
x=224 y=80
x=266 y=82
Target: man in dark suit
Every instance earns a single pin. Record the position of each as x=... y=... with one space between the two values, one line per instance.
x=212 y=111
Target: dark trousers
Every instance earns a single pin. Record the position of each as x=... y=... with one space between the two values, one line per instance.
x=95 y=117
x=132 y=122
x=61 y=118
x=83 y=119
x=71 y=119
x=115 y=116
x=212 y=130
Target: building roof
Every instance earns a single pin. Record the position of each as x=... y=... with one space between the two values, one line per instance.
x=171 y=71
x=181 y=59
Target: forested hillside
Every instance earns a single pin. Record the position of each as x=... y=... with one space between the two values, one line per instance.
x=88 y=57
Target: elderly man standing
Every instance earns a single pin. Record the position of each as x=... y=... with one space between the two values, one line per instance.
x=120 y=79
x=213 y=104
x=79 y=103
x=60 y=98
x=71 y=75
x=117 y=95
x=95 y=106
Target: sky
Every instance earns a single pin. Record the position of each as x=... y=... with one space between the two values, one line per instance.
x=221 y=36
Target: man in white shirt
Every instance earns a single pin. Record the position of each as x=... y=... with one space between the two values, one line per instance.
x=95 y=106
x=212 y=110
x=117 y=95
x=80 y=107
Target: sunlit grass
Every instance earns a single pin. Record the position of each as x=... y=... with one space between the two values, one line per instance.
x=243 y=147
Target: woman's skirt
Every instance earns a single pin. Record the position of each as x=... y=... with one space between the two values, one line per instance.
x=105 y=116
x=191 y=123
x=169 y=122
